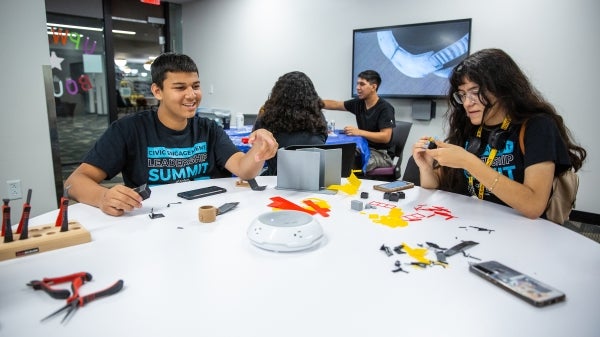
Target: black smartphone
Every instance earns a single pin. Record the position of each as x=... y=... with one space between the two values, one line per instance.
x=517 y=283
x=201 y=192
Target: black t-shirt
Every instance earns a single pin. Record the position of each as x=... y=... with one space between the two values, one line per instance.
x=542 y=143
x=380 y=116
x=145 y=151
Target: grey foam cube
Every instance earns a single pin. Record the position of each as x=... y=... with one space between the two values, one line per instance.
x=356 y=205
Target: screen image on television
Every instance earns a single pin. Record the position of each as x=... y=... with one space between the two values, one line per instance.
x=414 y=60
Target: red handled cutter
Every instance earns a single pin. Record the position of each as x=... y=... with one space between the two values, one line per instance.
x=76 y=301
x=61 y=294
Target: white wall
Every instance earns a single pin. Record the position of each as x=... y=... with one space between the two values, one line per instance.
x=243 y=46
x=24 y=132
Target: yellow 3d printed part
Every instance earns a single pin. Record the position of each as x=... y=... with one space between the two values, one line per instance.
x=351 y=187
x=416 y=253
x=393 y=219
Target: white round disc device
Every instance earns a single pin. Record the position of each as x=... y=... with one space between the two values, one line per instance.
x=285 y=231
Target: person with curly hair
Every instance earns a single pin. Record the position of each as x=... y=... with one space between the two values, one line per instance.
x=293 y=114
x=491 y=99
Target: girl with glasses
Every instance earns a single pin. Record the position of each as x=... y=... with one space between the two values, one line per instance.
x=491 y=99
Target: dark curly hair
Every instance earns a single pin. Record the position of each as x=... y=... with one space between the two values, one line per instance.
x=497 y=74
x=294 y=105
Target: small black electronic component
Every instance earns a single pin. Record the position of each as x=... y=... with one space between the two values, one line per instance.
x=153 y=215
x=431 y=144
x=386 y=250
x=398 y=265
x=143 y=191
x=482 y=229
x=465 y=254
x=460 y=247
x=441 y=257
x=226 y=207
x=399 y=249
x=254 y=185
x=434 y=245
x=394 y=196
x=364 y=195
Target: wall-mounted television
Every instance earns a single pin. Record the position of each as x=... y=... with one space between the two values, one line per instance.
x=413 y=60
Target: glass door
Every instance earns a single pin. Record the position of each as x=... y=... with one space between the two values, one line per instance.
x=133 y=55
x=77 y=59
x=83 y=85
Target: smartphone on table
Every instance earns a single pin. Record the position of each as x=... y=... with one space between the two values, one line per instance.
x=517 y=283
x=397 y=185
x=201 y=192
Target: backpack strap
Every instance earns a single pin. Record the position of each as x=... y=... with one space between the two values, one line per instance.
x=522 y=138
x=566 y=185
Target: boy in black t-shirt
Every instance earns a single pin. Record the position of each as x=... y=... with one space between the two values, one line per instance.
x=167 y=145
x=374 y=118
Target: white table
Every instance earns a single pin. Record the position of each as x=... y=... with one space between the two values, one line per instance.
x=184 y=278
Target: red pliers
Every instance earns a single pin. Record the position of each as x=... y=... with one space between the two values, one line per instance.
x=60 y=294
x=76 y=301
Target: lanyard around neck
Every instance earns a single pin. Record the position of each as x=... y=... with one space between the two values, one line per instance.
x=490 y=158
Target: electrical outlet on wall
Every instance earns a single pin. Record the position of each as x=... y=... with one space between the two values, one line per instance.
x=14 y=189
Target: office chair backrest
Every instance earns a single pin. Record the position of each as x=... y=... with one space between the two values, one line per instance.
x=399 y=137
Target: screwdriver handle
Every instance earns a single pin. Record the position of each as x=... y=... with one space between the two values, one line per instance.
x=5 y=216
x=62 y=220
x=6 y=226
x=23 y=228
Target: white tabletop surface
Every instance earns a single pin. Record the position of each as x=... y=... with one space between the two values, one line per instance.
x=185 y=278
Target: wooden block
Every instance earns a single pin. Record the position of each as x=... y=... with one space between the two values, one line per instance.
x=44 y=238
x=242 y=183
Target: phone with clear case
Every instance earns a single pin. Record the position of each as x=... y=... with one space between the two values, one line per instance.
x=517 y=283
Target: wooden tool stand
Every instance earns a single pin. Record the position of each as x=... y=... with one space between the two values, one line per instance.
x=44 y=238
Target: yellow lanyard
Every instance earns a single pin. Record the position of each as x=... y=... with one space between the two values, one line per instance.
x=490 y=159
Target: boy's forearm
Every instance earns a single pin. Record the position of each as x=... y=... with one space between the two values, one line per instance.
x=85 y=190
